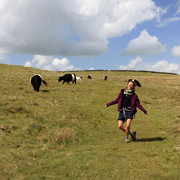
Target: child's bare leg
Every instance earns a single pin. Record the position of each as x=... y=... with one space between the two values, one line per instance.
x=120 y=125
x=127 y=129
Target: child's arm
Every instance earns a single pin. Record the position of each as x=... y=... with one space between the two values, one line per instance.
x=140 y=106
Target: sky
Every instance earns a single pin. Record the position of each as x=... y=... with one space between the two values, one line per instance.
x=91 y=34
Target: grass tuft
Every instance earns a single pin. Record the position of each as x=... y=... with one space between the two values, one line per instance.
x=63 y=135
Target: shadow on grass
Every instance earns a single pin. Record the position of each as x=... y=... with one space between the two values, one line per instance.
x=150 y=139
x=44 y=90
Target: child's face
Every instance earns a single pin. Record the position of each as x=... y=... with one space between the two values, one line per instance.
x=130 y=86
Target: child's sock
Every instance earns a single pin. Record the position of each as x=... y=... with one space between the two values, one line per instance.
x=127 y=140
x=131 y=133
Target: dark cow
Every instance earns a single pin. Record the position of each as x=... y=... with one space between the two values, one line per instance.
x=36 y=82
x=68 y=78
x=137 y=83
x=105 y=78
x=89 y=76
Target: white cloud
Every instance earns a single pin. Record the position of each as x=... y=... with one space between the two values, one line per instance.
x=160 y=66
x=168 y=21
x=135 y=64
x=71 y=27
x=176 y=51
x=91 y=68
x=50 y=63
x=62 y=64
x=164 y=66
x=144 y=44
x=28 y=64
x=178 y=11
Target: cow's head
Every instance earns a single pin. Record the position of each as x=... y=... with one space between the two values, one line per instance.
x=60 y=78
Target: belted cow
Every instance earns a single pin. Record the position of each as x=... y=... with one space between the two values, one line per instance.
x=36 y=81
x=67 y=78
x=89 y=76
x=78 y=78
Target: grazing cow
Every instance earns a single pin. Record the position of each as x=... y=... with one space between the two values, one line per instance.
x=137 y=83
x=105 y=78
x=78 y=78
x=36 y=81
x=89 y=76
x=68 y=78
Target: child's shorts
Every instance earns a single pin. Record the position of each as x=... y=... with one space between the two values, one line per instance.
x=123 y=116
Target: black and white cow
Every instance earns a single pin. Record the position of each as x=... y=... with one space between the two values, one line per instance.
x=78 y=78
x=89 y=76
x=36 y=81
x=105 y=78
x=68 y=78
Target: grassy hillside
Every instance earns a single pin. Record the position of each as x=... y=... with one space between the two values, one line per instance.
x=64 y=131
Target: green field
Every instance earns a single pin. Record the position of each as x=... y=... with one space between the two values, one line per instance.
x=64 y=131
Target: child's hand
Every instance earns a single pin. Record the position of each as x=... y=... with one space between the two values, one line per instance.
x=105 y=106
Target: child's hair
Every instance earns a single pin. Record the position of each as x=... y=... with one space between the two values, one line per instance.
x=135 y=82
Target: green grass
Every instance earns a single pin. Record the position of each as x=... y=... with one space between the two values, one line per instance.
x=64 y=131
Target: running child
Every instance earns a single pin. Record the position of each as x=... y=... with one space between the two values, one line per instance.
x=128 y=102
